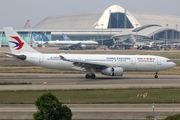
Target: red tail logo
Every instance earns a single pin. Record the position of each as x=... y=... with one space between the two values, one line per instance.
x=19 y=44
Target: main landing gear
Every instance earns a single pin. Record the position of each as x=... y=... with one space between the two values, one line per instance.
x=156 y=75
x=92 y=76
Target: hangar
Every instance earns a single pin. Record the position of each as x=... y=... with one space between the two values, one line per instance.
x=115 y=25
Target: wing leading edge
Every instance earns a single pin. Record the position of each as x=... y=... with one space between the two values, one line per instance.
x=85 y=64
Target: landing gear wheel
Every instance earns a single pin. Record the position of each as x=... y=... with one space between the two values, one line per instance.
x=156 y=75
x=93 y=76
x=87 y=76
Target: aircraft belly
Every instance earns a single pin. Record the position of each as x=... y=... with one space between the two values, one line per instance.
x=128 y=66
x=147 y=67
x=62 y=65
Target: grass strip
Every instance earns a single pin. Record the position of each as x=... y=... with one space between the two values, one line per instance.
x=96 y=96
x=12 y=83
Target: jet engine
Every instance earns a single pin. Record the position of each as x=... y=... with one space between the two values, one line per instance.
x=83 y=46
x=112 y=71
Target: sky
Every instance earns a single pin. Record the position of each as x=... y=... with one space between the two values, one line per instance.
x=14 y=13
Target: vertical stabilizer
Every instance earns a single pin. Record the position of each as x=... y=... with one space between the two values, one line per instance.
x=16 y=43
x=44 y=37
x=36 y=38
x=66 y=38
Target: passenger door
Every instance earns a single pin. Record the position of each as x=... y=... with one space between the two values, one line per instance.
x=133 y=64
x=41 y=58
x=159 y=61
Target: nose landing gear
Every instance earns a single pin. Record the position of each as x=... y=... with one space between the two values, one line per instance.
x=156 y=75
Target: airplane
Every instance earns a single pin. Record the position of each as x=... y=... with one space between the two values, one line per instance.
x=110 y=65
x=68 y=44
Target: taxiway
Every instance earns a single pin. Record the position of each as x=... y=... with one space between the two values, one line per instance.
x=77 y=81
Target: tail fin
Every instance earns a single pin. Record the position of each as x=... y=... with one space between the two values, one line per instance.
x=16 y=43
x=57 y=39
x=44 y=37
x=65 y=37
x=36 y=38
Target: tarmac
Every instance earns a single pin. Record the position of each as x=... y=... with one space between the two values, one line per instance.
x=90 y=111
x=46 y=81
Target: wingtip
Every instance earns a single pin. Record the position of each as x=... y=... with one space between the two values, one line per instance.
x=62 y=57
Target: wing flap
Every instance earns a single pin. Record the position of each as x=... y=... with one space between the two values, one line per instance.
x=74 y=45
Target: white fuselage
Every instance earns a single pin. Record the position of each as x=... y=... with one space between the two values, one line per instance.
x=147 y=63
x=88 y=44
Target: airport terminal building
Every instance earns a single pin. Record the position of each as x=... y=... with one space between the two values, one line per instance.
x=115 y=25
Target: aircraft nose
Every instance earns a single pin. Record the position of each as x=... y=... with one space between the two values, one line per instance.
x=173 y=64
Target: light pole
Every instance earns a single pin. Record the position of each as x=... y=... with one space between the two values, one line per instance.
x=176 y=33
x=153 y=111
x=110 y=21
x=166 y=33
x=117 y=21
x=97 y=30
x=102 y=34
x=136 y=31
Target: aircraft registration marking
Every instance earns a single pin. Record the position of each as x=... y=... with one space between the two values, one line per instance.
x=53 y=58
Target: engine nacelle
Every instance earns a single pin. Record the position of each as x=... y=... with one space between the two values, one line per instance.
x=113 y=71
x=83 y=46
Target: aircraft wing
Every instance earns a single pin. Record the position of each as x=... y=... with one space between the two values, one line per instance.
x=74 y=45
x=85 y=64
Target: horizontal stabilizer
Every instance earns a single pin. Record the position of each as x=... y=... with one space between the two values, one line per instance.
x=21 y=57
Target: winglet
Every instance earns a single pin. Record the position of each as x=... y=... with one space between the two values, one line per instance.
x=63 y=58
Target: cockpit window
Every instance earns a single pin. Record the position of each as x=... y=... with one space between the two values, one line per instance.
x=169 y=61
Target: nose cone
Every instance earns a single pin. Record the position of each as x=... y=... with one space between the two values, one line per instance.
x=169 y=64
x=173 y=64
